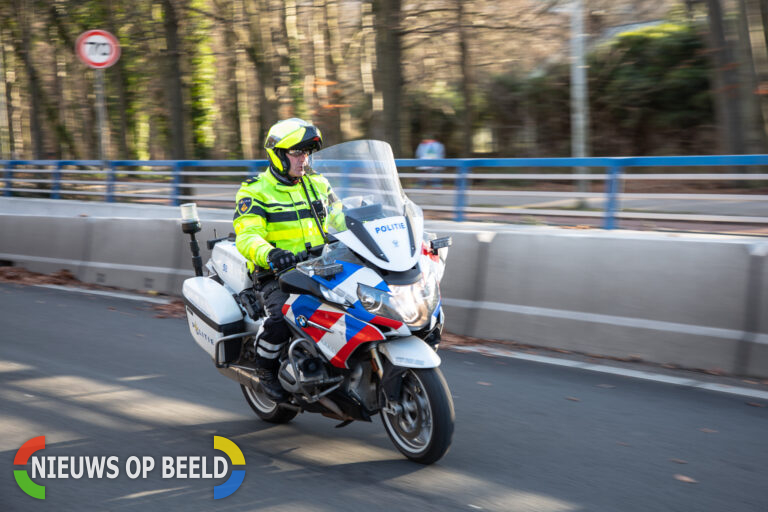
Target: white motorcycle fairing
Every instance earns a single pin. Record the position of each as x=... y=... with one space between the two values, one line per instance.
x=409 y=352
x=391 y=235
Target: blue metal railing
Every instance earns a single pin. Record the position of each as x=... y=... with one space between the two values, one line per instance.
x=175 y=172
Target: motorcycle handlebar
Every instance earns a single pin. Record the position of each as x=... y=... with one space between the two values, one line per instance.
x=311 y=252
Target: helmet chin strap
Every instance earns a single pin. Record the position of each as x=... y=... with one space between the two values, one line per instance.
x=284 y=179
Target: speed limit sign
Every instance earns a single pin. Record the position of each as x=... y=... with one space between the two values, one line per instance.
x=97 y=48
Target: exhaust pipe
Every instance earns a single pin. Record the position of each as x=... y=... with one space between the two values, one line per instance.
x=240 y=374
x=244 y=375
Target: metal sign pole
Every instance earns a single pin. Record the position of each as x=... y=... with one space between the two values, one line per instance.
x=101 y=113
x=99 y=50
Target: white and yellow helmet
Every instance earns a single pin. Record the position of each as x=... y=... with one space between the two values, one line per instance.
x=289 y=134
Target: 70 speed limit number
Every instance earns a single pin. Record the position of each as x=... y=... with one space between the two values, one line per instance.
x=97 y=48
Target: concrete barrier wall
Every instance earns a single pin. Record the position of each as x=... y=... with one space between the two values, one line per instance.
x=697 y=301
x=680 y=299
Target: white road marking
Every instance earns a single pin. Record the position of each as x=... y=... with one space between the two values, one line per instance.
x=625 y=372
x=117 y=295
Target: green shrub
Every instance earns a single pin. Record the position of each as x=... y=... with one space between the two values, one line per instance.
x=649 y=93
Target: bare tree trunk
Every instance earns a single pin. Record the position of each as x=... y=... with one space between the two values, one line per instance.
x=319 y=52
x=466 y=83
x=374 y=127
x=122 y=102
x=760 y=9
x=173 y=80
x=9 y=151
x=751 y=104
x=233 y=139
x=293 y=57
x=264 y=71
x=22 y=47
x=726 y=80
x=334 y=59
x=764 y=17
x=58 y=88
x=389 y=74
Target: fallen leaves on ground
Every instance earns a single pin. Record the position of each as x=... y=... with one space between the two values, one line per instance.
x=573 y=399
x=678 y=461
x=24 y=276
x=175 y=309
x=708 y=431
x=64 y=277
x=484 y=383
x=755 y=404
x=578 y=226
x=454 y=340
x=606 y=386
x=685 y=479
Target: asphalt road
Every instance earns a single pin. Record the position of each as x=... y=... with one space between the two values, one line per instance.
x=101 y=376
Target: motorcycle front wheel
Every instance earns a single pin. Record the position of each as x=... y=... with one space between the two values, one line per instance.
x=422 y=428
x=265 y=408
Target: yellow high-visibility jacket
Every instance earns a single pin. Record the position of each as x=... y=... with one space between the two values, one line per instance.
x=269 y=214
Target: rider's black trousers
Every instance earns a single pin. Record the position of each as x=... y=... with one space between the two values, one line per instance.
x=274 y=331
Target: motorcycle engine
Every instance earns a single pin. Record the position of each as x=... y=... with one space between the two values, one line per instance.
x=311 y=368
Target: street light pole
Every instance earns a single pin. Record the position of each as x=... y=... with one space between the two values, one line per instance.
x=579 y=109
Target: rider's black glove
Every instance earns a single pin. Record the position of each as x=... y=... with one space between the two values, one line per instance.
x=280 y=259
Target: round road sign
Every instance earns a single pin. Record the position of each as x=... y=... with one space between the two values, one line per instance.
x=97 y=48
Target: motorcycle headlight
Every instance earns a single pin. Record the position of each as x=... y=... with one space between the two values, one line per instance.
x=377 y=302
x=412 y=304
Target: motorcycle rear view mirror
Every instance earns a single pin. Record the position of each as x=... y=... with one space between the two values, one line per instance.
x=439 y=243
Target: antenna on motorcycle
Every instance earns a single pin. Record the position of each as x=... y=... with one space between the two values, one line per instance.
x=190 y=224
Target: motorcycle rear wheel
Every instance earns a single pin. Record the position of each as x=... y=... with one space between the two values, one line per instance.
x=265 y=408
x=423 y=429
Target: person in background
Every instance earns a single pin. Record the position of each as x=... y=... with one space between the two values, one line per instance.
x=429 y=149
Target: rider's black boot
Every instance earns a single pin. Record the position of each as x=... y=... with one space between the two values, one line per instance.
x=266 y=371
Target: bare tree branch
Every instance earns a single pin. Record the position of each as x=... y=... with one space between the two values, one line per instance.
x=411 y=14
x=205 y=13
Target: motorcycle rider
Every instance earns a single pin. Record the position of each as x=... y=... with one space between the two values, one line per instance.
x=273 y=222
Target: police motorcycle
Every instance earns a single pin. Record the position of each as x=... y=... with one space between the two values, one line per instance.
x=364 y=309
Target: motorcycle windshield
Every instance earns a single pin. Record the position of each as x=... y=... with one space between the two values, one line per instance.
x=371 y=213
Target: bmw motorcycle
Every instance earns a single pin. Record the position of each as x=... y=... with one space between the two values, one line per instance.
x=364 y=309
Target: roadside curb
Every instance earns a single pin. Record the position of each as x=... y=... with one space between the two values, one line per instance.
x=613 y=370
